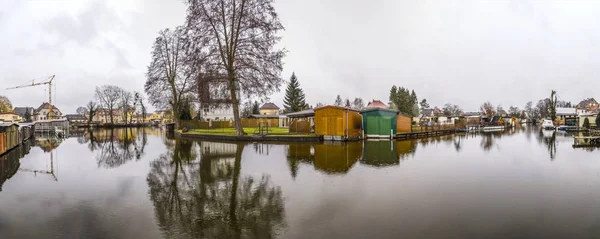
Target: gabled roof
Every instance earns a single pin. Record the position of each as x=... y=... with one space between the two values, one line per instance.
x=8 y=113
x=585 y=103
x=75 y=117
x=269 y=106
x=467 y=114
x=46 y=105
x=265 y=116
x=335 y=106
x=21 y=110
x=427 y=111
x=379 y=109
x=566 y=111
x=301 y=114
x=376 y=104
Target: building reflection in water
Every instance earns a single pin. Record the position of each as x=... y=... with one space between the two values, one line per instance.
x=10 y=162
x=386 y=153
x=198 y=192
x=340 y=157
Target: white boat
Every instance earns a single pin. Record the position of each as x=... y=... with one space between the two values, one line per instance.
x=547 y=124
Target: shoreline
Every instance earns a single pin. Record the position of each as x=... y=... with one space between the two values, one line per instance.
x=250 y=138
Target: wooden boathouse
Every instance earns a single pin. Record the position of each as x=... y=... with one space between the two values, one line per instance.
x=338 y=123
x=9 y=137
x=379 y=122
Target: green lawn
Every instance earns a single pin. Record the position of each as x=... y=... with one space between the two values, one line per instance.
x=249 y=131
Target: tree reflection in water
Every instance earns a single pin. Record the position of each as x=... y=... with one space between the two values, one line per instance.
x=488 y=140
x=115 y=146
x=205 y=197
x=548 y=138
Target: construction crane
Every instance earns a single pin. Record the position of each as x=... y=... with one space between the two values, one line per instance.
x=45 y=81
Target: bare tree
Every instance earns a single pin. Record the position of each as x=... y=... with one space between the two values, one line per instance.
x=109 y=96
x=91 y=110
x=5 y=105
x=241 y=37
x=139 y=103
x=81 y=110
x=168 y=78
x=126 y=105
x=358 y=103
x=529 y=109
x=487 y=109
x=513 y=111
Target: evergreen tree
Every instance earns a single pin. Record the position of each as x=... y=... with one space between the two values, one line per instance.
x=404 y=100
x=185 y=111
x=414 y=103
x=255 y=108
x=338 y=101
x=27 y=116
x=424 y=104
x=586 y=123
x=348 y=102
x=294 y=99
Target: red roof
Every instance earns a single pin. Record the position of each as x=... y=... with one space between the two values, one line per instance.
x=376 y=104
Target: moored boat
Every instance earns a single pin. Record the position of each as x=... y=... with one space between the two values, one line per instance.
x=548 y=125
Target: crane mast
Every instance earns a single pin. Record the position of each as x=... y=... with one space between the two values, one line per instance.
x=48 y=81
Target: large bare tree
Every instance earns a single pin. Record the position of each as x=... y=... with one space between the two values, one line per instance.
x=91 y=109
x=169 y=78
x=127 y=105
x=240 y=37
x=109 y=97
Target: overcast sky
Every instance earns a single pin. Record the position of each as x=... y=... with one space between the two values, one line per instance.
x=462 y=52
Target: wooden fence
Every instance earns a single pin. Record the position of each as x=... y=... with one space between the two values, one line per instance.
x=2 y=143
x=300 y=127
x=246 y=123
x=253 y=123
x=432 y=128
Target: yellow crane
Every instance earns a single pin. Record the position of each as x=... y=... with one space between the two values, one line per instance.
x=45 y=81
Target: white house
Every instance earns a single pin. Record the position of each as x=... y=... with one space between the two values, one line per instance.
x=222 y=112
x=43 y=112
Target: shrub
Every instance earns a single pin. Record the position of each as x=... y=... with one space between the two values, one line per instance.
x=586 y=123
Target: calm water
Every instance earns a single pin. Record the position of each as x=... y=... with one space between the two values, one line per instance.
x=132 y=183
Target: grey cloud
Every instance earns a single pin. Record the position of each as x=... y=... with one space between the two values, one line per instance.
x=85 y=26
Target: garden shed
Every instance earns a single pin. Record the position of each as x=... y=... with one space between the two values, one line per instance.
x=338 y=123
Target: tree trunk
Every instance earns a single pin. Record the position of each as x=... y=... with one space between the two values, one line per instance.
x=234 y=188
x=111 y=116
x=236 y=112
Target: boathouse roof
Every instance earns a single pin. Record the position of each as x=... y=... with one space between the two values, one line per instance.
x=301 y=114
x=566 y=111
x=376 y=104
x=269 y=106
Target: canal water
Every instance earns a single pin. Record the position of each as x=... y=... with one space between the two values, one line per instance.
x=142 y=183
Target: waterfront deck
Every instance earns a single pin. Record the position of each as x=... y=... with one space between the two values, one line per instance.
x=426 y=133
x=586 y=141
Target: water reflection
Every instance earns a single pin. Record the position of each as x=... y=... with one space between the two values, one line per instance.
x=548 y=139
x=198 y=192
x=10 y=162
x=387 y=153
x=115 y=146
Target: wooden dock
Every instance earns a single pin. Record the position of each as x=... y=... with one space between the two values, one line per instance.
x=424 y=134
x=586 y=141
